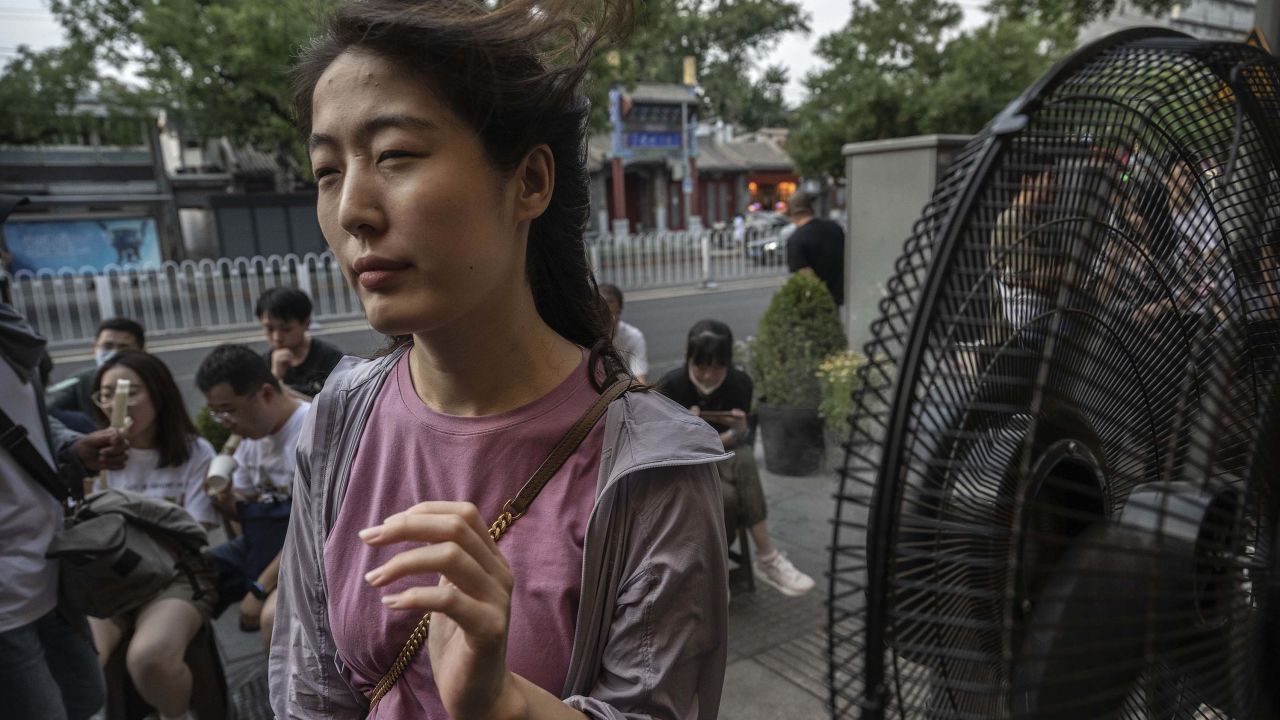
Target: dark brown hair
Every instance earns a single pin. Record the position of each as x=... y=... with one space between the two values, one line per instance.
x=173 y=427
x=513 y=73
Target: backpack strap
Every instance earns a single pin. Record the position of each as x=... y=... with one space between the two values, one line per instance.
x=16 y=439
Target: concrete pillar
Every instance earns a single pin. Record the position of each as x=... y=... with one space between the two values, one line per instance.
x=1267 y=20
x=889 y=182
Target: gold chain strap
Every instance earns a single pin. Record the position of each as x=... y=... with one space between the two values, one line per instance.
x=512 y=511
x=418 y=637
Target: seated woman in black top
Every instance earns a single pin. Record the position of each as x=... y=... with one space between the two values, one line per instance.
x=713 y=389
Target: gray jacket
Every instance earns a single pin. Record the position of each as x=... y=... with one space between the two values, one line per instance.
x=652 y=619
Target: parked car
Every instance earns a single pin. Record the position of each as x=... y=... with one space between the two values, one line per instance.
x=769 y=248
x=763 y=220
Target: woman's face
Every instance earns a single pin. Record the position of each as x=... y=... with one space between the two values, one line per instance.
x=141 y=409
x=707 y=378
x=423 y=226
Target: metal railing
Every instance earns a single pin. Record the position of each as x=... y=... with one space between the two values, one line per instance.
x=669 y=259
x=194 y=297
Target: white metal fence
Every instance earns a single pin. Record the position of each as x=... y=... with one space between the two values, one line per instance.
x=666 y=259
x=193 y=297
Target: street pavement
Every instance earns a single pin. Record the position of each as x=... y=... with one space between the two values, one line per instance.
x=664 y=316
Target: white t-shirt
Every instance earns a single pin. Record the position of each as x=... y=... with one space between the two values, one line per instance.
x=630 y=342
x=29 y=516
x=181 y=485
x=266 y=465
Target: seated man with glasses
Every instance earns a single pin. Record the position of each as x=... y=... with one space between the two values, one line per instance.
x=245 y=397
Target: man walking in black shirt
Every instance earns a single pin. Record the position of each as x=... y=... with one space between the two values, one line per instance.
x=817 y=245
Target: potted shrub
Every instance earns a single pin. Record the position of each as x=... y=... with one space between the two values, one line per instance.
x=838 y=378
x=800 y=329
x=210 y=429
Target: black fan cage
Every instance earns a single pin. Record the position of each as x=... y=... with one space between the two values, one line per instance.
x=1047 y=508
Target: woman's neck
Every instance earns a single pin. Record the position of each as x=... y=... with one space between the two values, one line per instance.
x=145 y=440
x=485 y=366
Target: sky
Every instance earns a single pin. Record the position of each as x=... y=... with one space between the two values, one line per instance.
x=28 y=22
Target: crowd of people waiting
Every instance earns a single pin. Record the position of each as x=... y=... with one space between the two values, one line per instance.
x=50 y=653
x=262 y=399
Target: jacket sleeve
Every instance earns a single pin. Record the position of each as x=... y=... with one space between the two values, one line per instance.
x=664 y=656
x=61 y=437
x=305 y=681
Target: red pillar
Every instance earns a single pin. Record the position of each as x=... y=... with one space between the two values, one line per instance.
x=619 y=191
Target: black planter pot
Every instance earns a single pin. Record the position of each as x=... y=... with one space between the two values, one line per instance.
x=793 y=439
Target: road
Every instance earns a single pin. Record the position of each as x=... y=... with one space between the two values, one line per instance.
x=664 y=316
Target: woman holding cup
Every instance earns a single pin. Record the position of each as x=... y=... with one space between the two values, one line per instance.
x=168 y=460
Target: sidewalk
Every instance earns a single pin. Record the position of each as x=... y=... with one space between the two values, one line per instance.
x=777 y=644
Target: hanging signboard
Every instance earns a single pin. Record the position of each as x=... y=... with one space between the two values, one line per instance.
x=83 y=243
x=650 y=129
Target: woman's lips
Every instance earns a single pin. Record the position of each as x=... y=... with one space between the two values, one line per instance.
x=373 y=272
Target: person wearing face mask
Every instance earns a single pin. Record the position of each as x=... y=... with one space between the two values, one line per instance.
x=114 y=334
x=712 y=388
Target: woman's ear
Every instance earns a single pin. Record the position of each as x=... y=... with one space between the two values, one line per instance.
x=535 y=181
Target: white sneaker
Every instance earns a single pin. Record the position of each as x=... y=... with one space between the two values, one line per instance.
x=780 y=574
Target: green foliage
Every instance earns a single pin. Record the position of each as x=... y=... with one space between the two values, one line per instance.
x=42 y=92
x=838 y=379
x=800 y=328
x=219 y=66
x=1075 y=12
x=210 y=429
x=903 y=68
x=729 y=38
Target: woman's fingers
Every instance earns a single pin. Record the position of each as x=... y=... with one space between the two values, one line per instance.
x=439 y=528
x=464 y=510
x=448 y=559
x=475 y=618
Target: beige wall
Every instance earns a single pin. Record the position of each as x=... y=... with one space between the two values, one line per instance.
x=888 y=184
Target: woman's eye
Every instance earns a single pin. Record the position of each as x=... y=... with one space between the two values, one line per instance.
x=324 y=172
x=393 y=154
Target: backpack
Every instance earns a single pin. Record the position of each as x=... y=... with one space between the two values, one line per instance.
x=120 y=548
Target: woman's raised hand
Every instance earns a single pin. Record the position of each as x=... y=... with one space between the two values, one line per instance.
x=470 y=606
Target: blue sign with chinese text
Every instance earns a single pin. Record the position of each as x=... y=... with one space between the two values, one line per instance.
x=654 y=140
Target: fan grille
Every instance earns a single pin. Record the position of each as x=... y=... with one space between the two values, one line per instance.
x=1087 y=308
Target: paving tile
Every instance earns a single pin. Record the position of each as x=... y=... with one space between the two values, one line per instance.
x=753 y=692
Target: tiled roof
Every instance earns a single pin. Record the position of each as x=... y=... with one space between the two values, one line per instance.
x=733 y=156
x=247 y=161
x=759 y=155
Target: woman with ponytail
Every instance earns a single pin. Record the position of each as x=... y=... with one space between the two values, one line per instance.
x=448 y=144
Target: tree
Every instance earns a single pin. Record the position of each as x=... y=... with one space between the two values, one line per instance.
x=1074 y=13
x=728 y=37
x=879 y=66
x=904 y=68
x=221 y=66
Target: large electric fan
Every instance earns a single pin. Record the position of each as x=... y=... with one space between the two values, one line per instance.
x=1052 y=504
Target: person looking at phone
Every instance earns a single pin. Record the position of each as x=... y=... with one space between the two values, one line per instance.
x=711 y=387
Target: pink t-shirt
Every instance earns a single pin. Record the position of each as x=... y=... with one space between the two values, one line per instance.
x=410 y=454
